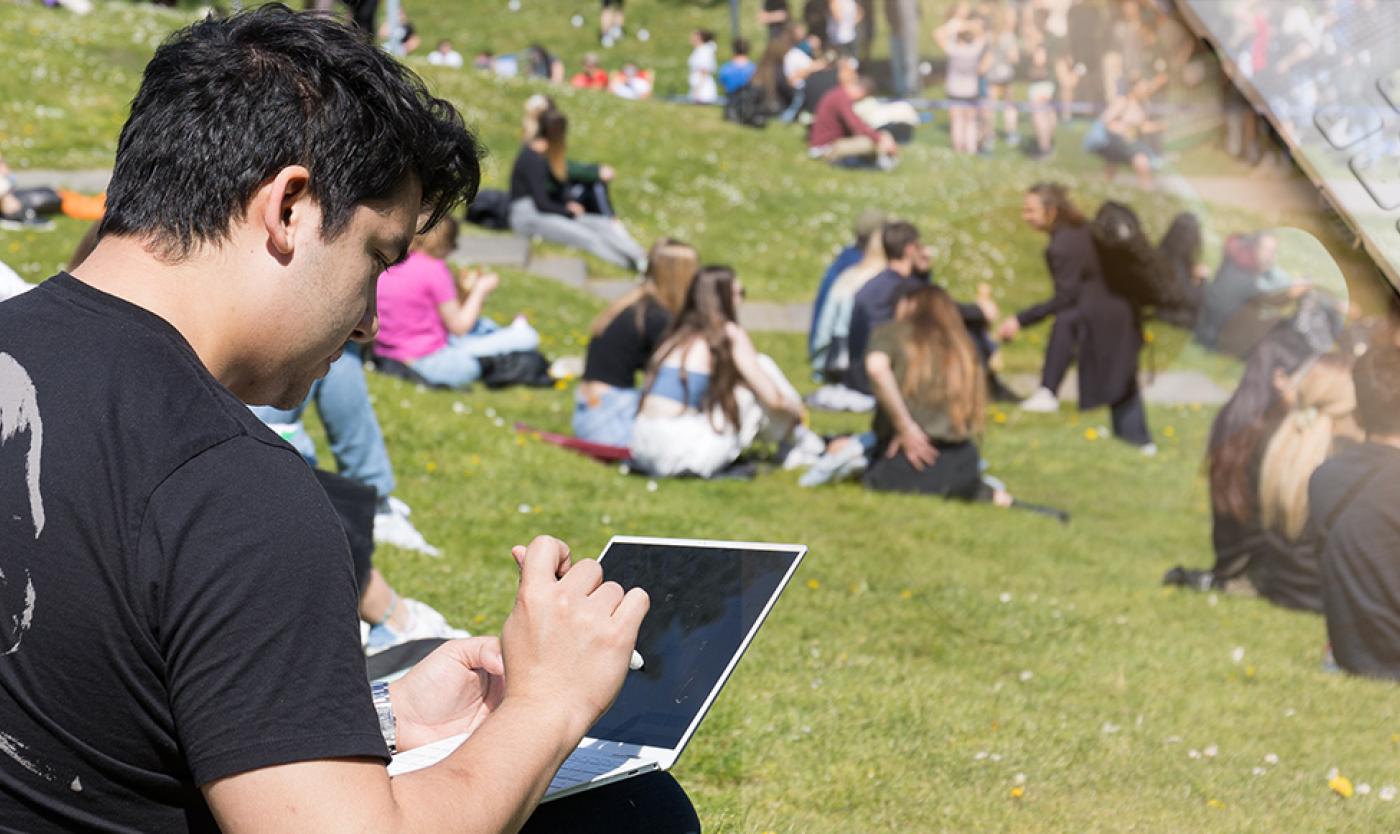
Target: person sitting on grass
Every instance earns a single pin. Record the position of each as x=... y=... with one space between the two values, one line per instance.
x=1234 y=449
x=445 y=56
x=841 y=137
x=622 y=339
x=831 y=355
x=540 y=205
x=931 y=396
x=709 y=393
x=431 y=319
x=590 y=76
x=1354 y=505
x=737 y=72
x=191 y=588
x=1128 y=126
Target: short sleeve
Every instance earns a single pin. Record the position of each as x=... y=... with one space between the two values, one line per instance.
x=438 y=281
x=255 y=613
x=885 y=340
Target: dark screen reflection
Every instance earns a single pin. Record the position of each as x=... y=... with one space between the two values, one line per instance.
x=704 y=600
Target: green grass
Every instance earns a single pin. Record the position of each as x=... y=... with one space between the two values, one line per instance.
x=927 y=653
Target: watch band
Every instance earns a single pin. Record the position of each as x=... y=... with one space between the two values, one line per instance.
x=388 y=727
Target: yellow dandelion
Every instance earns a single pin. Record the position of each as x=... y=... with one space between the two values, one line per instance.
x=1018 y=792
x=1249 y=671
x=814 y=584
x=1091 y=433
x=520 y=440
x=906 y=594
x=431 y=466
x=1341 y=786
x=1395 y=738
x=1214 y=803
x=1149 y=337
x=560 y=384
x=475 y=460
x=479 y=619
x=1169 y=431
x=999 y=417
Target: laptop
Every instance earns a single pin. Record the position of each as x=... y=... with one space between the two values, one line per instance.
x=1336 y=102
x=708 y=599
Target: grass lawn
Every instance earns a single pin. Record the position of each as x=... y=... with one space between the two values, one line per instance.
x=934 y=666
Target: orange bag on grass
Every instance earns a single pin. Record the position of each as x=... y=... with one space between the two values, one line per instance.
x=82 y=206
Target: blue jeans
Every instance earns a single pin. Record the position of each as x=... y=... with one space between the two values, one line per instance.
x=611 y=420
x=342 y=400
x=457 y=363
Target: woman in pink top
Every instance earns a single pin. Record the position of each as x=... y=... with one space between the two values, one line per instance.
x=431 y=320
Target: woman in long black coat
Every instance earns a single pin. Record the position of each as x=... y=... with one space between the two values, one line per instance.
x=1102 y=329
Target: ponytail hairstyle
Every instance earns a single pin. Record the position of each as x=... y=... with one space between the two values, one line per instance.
x=1325 y=395
x=706 y=315
x=1055 y=198
x=941 y=364
x=554 y=128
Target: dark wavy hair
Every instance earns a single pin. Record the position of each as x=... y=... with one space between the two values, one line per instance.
x=226 y=104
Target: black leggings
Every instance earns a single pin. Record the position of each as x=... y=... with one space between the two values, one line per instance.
x=957 y=473
x=650 y=804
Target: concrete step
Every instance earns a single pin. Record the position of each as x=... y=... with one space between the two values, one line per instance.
x=570 y=271
x=1166 y=388
x=492 y=250
x=88 y=182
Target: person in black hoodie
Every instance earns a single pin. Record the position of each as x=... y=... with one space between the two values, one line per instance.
x=539 y=205
x=1099 y=327
x=1353 y=504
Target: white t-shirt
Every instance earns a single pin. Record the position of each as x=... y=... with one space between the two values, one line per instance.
x=796 y=61
x=451 y=58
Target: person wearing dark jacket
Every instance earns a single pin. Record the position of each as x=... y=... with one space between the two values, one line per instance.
x=1353 y=504
x=875 y=303
x=540 y=207
x=1102 y=329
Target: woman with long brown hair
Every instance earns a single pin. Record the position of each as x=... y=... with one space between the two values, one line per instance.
x=1099 y=329
x=540 y=205
x=622 y=340
x=709 y=393
x=931 y=399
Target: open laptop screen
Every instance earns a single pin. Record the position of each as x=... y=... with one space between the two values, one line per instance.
x=705 y=601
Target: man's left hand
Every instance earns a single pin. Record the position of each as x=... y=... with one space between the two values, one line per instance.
x=450 y=692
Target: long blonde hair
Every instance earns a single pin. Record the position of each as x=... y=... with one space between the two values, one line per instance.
x=671 y=266
x=534 y=106
x=942 y=364
x=1325 y=396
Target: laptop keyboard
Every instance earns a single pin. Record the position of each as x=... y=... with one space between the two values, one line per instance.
x=584 y=765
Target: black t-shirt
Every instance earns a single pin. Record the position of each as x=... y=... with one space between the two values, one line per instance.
x=622 y=349
x=531 y=177
x=178 y=601
x=1354 y=502
x=873 y=306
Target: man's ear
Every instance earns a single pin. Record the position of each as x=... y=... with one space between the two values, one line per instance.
x=286 y=209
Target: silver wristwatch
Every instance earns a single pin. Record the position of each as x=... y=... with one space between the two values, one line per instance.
x=388 y=727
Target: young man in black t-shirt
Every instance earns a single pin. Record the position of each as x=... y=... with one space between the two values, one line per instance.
x=1354 y=502
x=178 y=641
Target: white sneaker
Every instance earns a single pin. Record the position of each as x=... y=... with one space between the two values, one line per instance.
x=807 y=449
x=835 y=466
x=1043 y=401
x=1149 y=450
x=424 y=622
x=393 y=527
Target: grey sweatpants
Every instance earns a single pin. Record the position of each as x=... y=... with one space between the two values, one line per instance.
x=602 y=236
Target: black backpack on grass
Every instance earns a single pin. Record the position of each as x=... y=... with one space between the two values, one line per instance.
x=745 y=106
x=1132 y=266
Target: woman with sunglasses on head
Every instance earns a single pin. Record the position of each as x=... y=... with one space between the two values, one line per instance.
x=709 y=393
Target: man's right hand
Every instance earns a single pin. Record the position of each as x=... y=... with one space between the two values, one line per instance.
x=568 y=640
